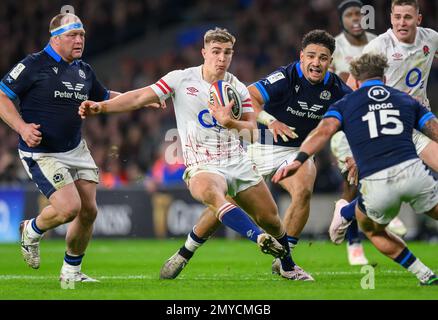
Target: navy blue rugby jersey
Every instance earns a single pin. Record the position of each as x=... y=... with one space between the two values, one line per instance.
x=378 y=121
x=50 y=91
x=293 y=100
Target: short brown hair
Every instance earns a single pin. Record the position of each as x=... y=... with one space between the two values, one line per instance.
x=61 y=19
x=413 y=3
x=219 y=35
x=368 y=66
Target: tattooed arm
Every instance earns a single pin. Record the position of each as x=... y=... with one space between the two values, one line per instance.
x=430 y=129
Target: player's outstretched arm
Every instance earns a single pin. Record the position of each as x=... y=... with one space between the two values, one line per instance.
x=314 y=142
x=430 y=129
x=28 y=131
x=127 y=101
x=276 y=127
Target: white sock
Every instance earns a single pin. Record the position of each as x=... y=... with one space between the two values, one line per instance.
x=69 y=268
x=191 y=244
x=31 y=232
x=420 y=270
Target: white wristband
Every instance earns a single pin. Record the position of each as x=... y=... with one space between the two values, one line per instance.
x=265 y=118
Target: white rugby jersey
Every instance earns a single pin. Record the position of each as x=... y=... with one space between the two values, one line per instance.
x=345 y=52
x=203 y=140
x=409 y=64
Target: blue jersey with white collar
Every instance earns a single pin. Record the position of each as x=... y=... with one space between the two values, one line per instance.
x=50 y=91
x=293 y=100
x=378 y=121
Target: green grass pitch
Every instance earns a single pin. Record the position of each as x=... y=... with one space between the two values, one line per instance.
x=221 y=269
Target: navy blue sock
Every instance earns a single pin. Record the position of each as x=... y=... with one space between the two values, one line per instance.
x=293 y=241
x=405 y=258
x=35 y=228
x=286 y=263
x=186 y=253
x=353 y=235
x=196 y=238
x=236 y=219
x=73 y=261
x=348 y=212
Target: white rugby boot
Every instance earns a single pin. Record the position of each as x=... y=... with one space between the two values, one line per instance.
x=339 y=225
x=30 y=247
x=269 y=245
x=71 y=273
x=356 y=255
x=173 y=266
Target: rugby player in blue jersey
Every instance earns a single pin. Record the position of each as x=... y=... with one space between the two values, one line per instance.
x=378 y=121
x=50 y=85
x=290 y=102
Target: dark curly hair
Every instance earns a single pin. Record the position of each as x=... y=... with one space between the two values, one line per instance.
x=320 y=37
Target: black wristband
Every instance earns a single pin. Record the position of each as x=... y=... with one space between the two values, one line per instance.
x=302 y=157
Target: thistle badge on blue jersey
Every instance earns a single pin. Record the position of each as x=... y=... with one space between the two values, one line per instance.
x=325 y=95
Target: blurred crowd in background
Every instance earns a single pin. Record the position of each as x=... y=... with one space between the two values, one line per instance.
x=129 y=148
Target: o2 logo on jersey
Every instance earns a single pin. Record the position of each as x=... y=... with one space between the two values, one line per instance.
x=413 y=78
x=206 y=119
x=378 y=93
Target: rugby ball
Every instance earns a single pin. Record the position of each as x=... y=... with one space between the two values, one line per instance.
x=225 y=92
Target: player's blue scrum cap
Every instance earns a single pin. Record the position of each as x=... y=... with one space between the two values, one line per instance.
x=67 y=27
x=344 y=5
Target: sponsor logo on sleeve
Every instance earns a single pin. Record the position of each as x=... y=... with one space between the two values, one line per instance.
x=17 y=70
x=275 y=77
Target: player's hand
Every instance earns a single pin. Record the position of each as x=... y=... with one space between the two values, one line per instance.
x=278 y=128
x=221 y=113
x=88 y=108
x=31 y=135
x=161 y=105
x=351 y=167
x=286 y=171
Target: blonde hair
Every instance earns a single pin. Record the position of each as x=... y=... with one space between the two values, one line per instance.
x=368 y=66
x=218 y=35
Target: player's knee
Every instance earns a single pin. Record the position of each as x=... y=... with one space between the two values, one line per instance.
x=302 y=195
x=88 y=213
x=69 y=212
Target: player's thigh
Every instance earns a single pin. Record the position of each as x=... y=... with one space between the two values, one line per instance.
x=208 y=187
x=257 y=201
x=66 y=201
x=300 y=185
x=366 y=224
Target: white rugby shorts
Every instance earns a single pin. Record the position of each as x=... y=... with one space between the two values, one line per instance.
x=52 y=171
x=239 y=172
x=410 y=181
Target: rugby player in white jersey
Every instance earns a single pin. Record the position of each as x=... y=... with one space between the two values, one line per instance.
x=217 y=165
x=410 y=51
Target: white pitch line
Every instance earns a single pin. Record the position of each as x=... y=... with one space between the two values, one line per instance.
x=204 y=277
